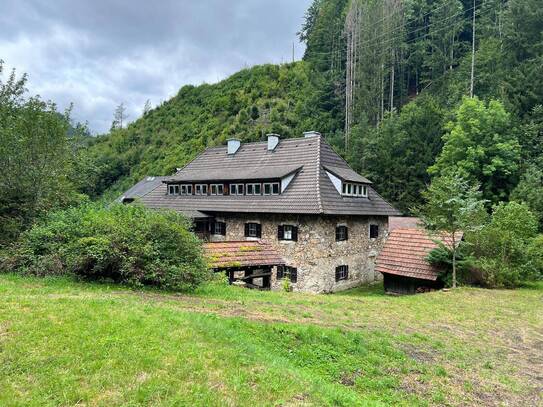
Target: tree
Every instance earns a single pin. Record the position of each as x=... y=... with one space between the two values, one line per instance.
x=482 y=145
x=453 y=206
x=146 y=107
x=530 y=191
x=119 y=117
x=35 y=158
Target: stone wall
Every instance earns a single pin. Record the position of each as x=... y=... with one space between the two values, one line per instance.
x=316 y=254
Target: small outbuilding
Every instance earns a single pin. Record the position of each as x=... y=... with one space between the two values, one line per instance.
x=403 y=262
x=249 y=263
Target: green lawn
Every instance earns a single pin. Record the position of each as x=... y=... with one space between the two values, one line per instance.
x=70 y=343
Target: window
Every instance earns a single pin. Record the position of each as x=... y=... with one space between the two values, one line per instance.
x=287 y=232
x=253 y=189
x=374 y=231
x=186 y=189
x=217 y=189
x=287 y=271
x=342 y=273
x=275 y=188
x=236 y=189
x=342 y=233
x=201 y=189
x=349 y=189
x=253 y=230
x=267 y=189
x=173 y=189
x=219 y=228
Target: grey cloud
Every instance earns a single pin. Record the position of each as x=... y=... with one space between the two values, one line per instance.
x=99 y=53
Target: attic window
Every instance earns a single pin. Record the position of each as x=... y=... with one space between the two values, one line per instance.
x=350 y=189
x=173 y=189
x=236 y=189
x=271 y=188
x=186 y=189
x=254 y=189
x=201 y=189
x=217 y=189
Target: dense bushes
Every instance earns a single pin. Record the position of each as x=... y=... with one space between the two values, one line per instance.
x=507 y=250
x=126 y=244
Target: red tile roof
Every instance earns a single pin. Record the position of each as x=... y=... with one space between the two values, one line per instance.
x=241 y=254
x=402 y=222
x=405 y=254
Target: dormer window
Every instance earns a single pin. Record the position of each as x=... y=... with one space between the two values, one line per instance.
x=217 y=189
x=201 y=189
x=186 y=189
x=236 y=189
x=173 y=189
x=350 y=189
x=254 y=189
x=271 y=188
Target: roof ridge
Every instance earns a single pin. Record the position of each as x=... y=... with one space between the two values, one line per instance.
x=318 y=174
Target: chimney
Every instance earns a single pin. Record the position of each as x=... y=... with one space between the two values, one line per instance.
x=273 y=141
x=311 y=134
x=233 y=146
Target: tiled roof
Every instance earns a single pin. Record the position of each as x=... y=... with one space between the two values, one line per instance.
x=310 y=192
x=200 y=171
x=242 y=254
x=346 y=174
x=405 y=254
x=143 y=187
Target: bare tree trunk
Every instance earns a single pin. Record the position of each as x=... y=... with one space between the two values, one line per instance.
x=454 y=261
x=472 y=54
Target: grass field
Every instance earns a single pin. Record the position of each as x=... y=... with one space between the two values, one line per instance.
x=69 y=343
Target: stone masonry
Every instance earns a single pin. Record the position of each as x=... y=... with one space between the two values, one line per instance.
x=316 y=254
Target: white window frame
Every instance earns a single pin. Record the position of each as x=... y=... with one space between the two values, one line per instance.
x=253 y=188
x=344 y=272
x=267 y=185
x=237 y=188
x=287 y=232
x=250 y=232
x=351 y=189
x=276 y=184
x=173 y=189
x=200 y=189
x=183 y=190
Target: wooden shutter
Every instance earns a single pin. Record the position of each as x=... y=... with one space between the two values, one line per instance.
x=337 y=233
x=337 y=273
x=295 y=233
x=280 y=232
x=258 y=230
x=346 y=232
x=246 y=230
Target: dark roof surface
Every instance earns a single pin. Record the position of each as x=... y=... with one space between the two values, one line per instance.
x=346 y=174
x=402 y=222
x=143 y=187
x=310 y=192
x=199 y=171
x=241 y=254
x=404 y=254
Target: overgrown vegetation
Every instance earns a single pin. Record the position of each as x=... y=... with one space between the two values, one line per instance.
x=123 y=244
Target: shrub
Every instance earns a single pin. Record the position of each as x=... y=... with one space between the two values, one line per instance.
x=503 y=247
x=122 y=243
x=441 y=257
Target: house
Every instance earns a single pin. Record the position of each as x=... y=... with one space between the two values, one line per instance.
x=403 y=260
x=325 y=222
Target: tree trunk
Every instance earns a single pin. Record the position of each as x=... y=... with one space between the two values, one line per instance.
x=454 y=262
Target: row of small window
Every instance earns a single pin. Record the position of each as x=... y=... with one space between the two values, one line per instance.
x=349 y=189
x=342 y=232
x=342 y=273
x=268 y=188
x=289 y=232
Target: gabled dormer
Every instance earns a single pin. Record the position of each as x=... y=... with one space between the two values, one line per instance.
x=347 y=182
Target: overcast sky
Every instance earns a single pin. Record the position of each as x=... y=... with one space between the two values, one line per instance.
x=99 y=53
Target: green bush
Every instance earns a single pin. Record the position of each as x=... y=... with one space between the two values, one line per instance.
x=441 y=257
x=506 y=248
x=125 y=244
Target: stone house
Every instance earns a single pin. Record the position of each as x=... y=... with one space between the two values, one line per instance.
x=324 y=220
